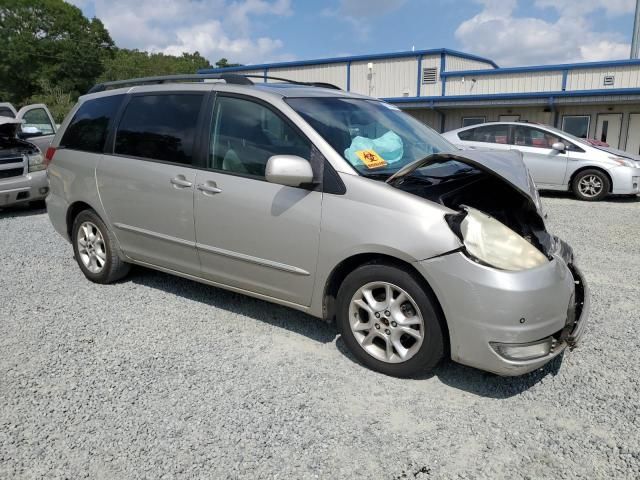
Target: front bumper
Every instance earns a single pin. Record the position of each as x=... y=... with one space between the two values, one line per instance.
x=25 y=188
x=484 y=306
x=626 y=180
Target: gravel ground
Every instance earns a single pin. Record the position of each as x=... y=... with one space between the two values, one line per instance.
x=159 y=377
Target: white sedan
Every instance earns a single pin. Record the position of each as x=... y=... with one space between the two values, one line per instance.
x=557 y=160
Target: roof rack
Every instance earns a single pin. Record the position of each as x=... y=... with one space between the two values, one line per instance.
x=295 y=82
x=230 y=78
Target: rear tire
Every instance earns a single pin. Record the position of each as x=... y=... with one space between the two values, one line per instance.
x=94 y=249
x=591 y=185
x=389 y=321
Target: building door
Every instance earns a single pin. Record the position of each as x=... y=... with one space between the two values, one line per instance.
x=633 y=135
x=608 y=129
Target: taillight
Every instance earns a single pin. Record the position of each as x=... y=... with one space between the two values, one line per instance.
x=51 y=151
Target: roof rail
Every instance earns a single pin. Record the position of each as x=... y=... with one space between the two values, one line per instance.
x=230 y=78
x=294 y=82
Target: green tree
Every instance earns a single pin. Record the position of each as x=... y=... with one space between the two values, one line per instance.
x=57 y=100
x=224 y=63
x=48 y=41
x=133 y=63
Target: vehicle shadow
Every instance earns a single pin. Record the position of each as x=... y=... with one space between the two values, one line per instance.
x=609 y=199
x=235 y=303
x=455 y=375
x=27 y=210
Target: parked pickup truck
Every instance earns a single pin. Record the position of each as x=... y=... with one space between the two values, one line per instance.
x=25 y=136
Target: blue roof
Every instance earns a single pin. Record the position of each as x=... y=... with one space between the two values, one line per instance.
x=356 y=58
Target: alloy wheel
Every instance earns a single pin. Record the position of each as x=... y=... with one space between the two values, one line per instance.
x=91 y=247
x=590 y=186
x=386 y=322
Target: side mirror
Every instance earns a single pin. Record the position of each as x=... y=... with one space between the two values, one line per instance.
x=288 y=170
x=559 y=147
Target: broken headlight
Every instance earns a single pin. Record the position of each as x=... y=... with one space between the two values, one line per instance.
x=492 y=243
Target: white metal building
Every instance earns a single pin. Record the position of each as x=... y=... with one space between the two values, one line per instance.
x=448 y=89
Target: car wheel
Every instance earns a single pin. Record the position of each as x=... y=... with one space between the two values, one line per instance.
x=591 y=185
x=389 y=321
x=93 y=246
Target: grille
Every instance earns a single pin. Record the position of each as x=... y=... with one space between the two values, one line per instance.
x=12 y=172
x=429 y=76
x=6 y=160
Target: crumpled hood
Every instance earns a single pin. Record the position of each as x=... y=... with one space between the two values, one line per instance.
x=508 y=166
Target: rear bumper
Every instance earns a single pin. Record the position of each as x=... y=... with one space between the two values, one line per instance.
x=485 y=307
x=25 y=188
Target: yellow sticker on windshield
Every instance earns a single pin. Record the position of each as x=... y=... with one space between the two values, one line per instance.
x=371 y=159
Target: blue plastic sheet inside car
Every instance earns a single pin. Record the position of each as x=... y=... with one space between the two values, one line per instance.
x=389 y=146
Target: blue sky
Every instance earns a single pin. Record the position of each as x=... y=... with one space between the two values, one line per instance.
x=511 y=32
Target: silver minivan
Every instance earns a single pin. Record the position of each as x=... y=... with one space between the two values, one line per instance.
x=335 y=204
x=558 y=160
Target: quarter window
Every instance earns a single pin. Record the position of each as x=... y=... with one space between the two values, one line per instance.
x=160 y=127
x=88 y=128
x=486 y=134
x=246 y=134
x=532 y=137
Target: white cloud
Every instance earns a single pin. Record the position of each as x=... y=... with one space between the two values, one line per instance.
x=215 y=28
x=508 y=39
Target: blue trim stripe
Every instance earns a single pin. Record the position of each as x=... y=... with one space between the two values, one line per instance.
x=514 y=96
x=357 y=58
x=544 y=68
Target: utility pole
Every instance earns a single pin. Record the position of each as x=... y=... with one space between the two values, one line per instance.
x=635 y=42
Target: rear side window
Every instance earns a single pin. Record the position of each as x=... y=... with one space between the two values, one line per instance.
x=487 y=134
x=160 y=127
x=88 y=128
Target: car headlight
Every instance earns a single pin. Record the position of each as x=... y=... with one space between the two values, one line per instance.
x=494 y=244
x=623 y=161
x=36 y=162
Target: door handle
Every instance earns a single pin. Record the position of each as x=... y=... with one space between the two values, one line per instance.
x=208 y=189
x=181 y=182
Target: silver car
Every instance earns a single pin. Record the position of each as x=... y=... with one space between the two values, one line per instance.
x=338 y=205
x=22 y=169
x=558 y=160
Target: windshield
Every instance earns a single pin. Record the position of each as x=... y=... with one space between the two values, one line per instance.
x=376 y=138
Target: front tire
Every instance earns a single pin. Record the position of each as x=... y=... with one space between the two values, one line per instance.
x=591 y=185
x=94 y=249
x=389 y=321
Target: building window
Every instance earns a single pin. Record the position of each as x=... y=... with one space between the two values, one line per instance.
x=468 y=121
x=429 y=76
x=577 y=125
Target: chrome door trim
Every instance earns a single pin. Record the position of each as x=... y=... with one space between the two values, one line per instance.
x=297 y=306
x=149 y=233
x=250 y=259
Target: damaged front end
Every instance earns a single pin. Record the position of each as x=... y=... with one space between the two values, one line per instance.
x=530 y=304
x=487 y=189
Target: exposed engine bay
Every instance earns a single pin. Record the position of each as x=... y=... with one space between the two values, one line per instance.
x=458 y=181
